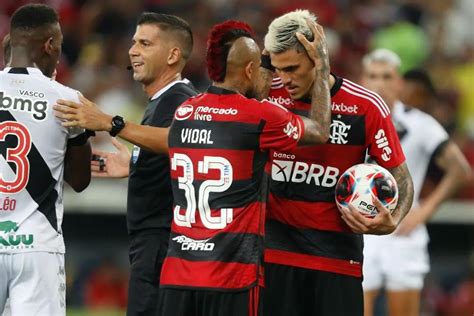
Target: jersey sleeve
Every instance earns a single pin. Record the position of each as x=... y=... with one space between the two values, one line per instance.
x=436 y=138
x=73 y=132
x=382 y=140
x=168 y=105
x=282 y=129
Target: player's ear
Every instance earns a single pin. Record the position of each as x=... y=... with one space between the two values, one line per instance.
x=249 y=70
x=48 y=46
x=174 y=55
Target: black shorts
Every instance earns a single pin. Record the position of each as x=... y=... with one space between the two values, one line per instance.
x=147 y=252
x=183 y=302
x=297 y=291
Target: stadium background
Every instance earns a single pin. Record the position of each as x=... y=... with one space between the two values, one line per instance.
x=434 y=34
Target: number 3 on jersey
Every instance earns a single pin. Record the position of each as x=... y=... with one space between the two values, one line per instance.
x=16 y=155
x=185 y=183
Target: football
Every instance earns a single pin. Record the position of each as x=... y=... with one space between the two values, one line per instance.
x=361 y=183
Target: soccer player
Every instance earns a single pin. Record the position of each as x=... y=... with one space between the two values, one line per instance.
x=398 y=262
x=37 y=154
x=313 y=252
x=218 y=146
x=160 y=48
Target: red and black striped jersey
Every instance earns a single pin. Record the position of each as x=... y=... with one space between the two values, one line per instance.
x=219 y=144
x=304 y=228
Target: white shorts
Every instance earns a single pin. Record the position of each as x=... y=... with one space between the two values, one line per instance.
x=394 y=263
x=34 y=282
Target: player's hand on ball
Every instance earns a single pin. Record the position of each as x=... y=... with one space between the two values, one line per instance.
x=85 y=115
x=382 y=224
x=111 y=164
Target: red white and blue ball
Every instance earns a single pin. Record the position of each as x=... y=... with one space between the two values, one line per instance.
x=361 y=184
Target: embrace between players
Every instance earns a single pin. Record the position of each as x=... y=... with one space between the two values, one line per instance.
x=231 y=209
x=232 y=243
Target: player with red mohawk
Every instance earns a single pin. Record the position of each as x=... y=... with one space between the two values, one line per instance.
x=218 y=147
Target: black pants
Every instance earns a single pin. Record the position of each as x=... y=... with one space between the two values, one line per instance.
x=183 y=302
x=300 y=292
x=147 y=252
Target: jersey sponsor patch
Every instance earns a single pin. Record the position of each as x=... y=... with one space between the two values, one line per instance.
x=37 y=108
x=183 y=112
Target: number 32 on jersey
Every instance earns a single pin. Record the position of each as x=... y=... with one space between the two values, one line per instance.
x=186 y=184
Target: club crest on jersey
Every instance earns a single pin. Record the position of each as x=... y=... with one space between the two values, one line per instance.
x=183 y=112
x=190 y=244
x=339 y=132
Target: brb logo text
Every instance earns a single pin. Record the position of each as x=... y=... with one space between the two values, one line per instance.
x=208 y=186
x=302 y=172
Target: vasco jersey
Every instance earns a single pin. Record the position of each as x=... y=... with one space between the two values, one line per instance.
x=304 y=227
x=419 y=148
x=218 y=147
x=32 y=148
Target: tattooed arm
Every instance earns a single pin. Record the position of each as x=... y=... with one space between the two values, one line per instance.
x=405 y=192
x=384 y=223
x=317 y=125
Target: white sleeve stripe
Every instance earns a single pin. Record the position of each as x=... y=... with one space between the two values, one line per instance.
x=365 y=97
x=383 y=107
x=278 y=86
x=369 y=92
x=277 y=80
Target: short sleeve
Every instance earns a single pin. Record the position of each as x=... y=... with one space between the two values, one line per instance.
x=282 y=129
x=167 y=105
x=437 y=136
x=382 y=140
x=74 y=132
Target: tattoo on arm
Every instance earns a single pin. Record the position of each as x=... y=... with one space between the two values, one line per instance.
x=264 y=89
x=320 y=115
x=405 y=191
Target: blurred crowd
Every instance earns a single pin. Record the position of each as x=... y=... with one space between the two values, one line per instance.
x=435 y=35
x=432 y=34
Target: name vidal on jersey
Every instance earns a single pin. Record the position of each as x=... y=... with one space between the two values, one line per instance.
x=196 y=136
x=37 y=108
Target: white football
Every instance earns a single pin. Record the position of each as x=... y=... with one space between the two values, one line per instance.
x=361 y=184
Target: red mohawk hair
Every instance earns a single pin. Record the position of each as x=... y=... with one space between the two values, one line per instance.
x=219 y=42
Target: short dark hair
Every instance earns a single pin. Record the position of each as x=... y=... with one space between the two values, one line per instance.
x=422 y=77
x=171 y=23
x=220 y=40
x=32 y=16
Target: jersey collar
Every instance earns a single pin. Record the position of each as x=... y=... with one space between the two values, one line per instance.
x=165 y=88
x=23 y=70
x=218 y=90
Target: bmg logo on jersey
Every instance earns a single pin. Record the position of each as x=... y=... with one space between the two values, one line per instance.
x=382 y=143
x=37 y=108
x=302 y=172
